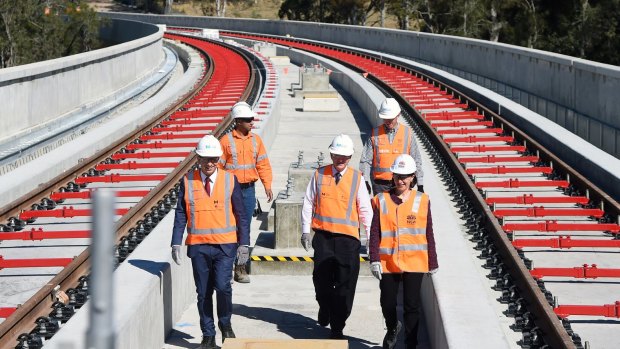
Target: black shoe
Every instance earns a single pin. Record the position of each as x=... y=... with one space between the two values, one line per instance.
x=227 y=332
x=323 y=318
x=389 y=341
x=336 y=334
x=208 y=342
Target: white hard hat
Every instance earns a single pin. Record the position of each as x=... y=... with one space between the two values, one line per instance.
x=342 y=145
x=403 y=165
x=242 y=110
x=209 y=146
x=389 y=109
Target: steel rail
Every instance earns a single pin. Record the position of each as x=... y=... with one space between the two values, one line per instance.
x=551 y=328
x=24 y=317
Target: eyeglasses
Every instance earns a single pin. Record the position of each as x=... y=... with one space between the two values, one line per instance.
x=208 y=159
x=401 y=176
x=244 y=119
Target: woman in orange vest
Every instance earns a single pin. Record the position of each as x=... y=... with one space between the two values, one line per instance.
x=402 y=249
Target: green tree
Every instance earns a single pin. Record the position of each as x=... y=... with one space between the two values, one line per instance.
x=36 y=30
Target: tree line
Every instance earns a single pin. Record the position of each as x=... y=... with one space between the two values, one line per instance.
x=581 y=28
x=37 y=30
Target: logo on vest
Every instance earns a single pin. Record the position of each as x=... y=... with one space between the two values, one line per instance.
x=411 y=219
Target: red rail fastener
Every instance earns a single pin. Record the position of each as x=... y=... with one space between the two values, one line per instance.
x=132 y=165
x=542 y=212
x=492 y=159
x=553 y=226
x=470 y=131
x=161 y=145
x=607 y=310
x=34 y=263
x=507 y=170
x=149 y=155
x=115 y=178
x=516 y=183
x=529 y=199
x=583 y=272
x=566 y=242
x=6 y=312
x=65 y=212
x=87 y=194
x=476 y=139
x=39 y=234
x=487 y=148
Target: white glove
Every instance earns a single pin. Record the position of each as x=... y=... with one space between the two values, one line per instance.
x=176 y=254
x=376 y=270
x=433 y=271
x=243 y=254
x=305 y=241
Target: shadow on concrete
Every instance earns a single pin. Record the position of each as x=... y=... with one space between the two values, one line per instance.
x=295 y=325
x=180 y=339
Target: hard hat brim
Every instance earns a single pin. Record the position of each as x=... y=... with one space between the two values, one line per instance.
x=337 y=152
x=390 y=115
x=209 y=154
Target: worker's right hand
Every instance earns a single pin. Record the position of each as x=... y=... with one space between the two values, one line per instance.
x=176 y=254
x=305 y=241
x=376 y=270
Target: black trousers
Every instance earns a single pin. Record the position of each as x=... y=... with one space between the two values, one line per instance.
x=336 y=267
x=412 y=283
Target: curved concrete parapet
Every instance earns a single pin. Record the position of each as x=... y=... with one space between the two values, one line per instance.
x=35 y=96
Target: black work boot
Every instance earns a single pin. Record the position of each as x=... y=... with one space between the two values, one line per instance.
x=227 y=332
x=208 y=342
x=323 y=318
x=241 y=275
x=389 y=341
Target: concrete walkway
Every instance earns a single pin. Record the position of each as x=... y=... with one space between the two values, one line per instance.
x=281 y=307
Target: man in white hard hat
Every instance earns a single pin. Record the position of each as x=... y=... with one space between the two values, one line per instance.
x=336 y=201
x=402 y=249
x=245 y=156
x=386 y=142
x=211 y=206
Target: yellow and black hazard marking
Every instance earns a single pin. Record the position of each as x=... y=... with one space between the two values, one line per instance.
x=290 y=259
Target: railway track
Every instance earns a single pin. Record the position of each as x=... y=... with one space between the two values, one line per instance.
x=543 y=230
x=143 y=170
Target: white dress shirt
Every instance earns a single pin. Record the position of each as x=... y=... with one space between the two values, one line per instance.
x=212 y=178
x=364 y=208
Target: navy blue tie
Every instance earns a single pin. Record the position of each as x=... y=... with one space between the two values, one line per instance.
x=338 y=175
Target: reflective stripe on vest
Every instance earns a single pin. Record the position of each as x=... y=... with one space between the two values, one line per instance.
x=330 y=213
x=403 y=246
x=208 y=220
x=235 y=161
x=385 y=152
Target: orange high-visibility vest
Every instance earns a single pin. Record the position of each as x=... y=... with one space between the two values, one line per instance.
x=210 y=219
x=335 y=206
x=385 y=153
x=403 y=247
x=246 y=158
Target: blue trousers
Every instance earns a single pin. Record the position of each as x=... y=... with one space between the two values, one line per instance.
x=249 y=202
x=212 y=266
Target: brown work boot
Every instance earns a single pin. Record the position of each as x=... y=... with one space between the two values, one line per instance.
x=241 y=275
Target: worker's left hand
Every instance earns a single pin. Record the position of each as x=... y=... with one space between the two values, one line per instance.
x=269 y=194
x=243 y=254
x=433 y=271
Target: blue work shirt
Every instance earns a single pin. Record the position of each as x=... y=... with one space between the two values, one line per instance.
x=180 y=221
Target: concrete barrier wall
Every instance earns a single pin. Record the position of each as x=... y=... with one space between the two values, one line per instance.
x=37 y=94
x=577 y=94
